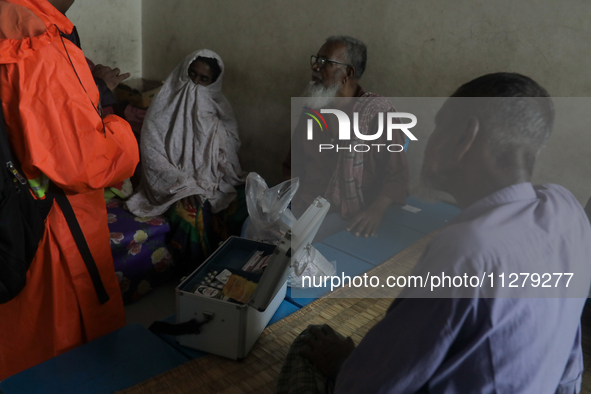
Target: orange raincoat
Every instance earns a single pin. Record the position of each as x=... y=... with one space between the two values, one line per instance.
x=57 y=133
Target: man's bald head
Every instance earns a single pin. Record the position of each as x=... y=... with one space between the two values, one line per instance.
x=487 y=136
x=517 y=116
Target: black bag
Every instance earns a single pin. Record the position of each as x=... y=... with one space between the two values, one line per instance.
x=22 y=221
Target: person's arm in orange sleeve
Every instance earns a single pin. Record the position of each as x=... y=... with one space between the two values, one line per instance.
x=63 y=136
x=80 y=158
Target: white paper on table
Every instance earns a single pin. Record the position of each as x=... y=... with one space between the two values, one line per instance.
x=412 y=209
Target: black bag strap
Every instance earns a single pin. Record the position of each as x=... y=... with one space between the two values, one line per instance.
x=4 y=143
x=8 y=162
x=3 y=135
x=68 y=211
x=189 y=327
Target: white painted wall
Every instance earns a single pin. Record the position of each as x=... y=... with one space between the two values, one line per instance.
x=416 y=48
x=419 y=48
x=110 y=32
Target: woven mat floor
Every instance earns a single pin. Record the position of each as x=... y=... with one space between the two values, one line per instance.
x=259 y=371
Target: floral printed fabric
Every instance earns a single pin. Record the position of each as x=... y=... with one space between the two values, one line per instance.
x=196 y=232
x=142 y=259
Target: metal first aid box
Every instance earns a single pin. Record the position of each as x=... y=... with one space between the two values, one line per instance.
x=230 y=329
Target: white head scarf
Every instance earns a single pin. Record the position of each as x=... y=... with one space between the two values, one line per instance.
x=189 y=145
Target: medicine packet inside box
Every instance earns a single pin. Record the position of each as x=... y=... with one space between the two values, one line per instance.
x=238 y=289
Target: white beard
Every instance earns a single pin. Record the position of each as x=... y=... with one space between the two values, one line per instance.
x=318 y=96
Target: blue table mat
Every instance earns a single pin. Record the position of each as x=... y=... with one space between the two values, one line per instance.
x=392 y=238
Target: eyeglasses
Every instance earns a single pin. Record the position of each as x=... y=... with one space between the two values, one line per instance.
x=321 y=61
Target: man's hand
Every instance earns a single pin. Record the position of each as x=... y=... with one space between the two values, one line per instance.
x=112 y=77
x=328 y=350
x=366 y=223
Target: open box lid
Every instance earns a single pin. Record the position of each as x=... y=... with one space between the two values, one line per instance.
x=291 y=248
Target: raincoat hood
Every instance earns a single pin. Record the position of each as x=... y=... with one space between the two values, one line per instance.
x=15 y=49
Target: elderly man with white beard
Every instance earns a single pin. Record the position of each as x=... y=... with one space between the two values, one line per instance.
x=359 y=185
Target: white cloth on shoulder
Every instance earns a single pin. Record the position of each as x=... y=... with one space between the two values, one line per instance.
x=189 y=145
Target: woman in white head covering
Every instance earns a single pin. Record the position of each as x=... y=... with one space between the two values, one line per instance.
x=189 y=145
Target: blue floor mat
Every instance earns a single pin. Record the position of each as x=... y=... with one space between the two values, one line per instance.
x=113 y=362
x=285 y=309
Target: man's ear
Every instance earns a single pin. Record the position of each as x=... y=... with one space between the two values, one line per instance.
x=467 y=136
x=350 y=71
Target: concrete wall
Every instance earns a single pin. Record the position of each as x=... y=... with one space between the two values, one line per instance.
x=416 y=48
x=110 y=32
